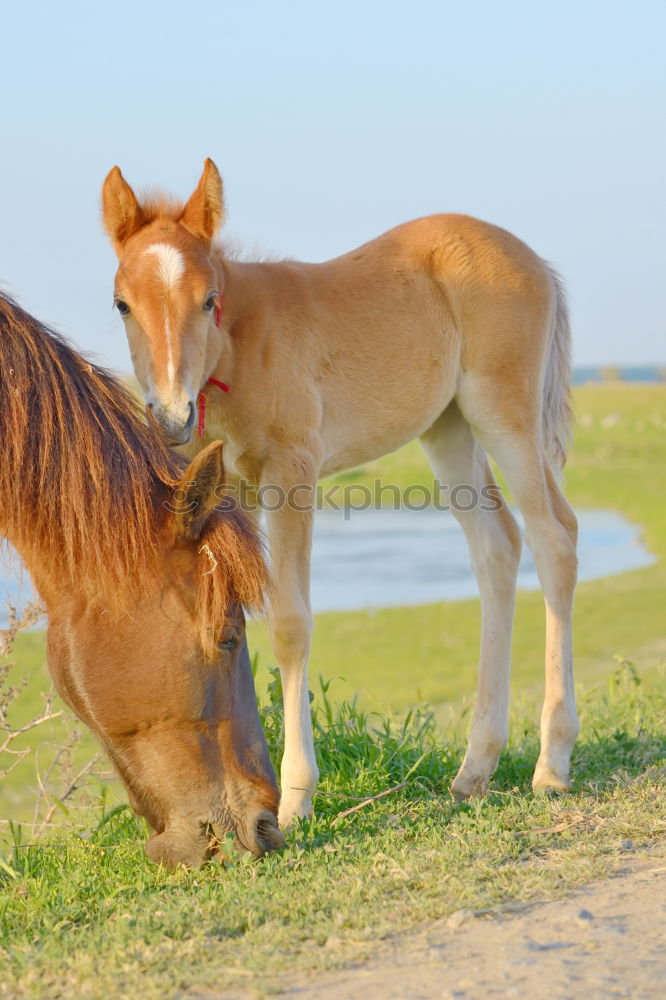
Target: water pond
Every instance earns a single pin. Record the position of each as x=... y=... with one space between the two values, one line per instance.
x=384 y=558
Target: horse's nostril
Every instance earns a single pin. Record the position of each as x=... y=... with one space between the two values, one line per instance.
x=268 y=836
x=191 y=414
x=257 y=833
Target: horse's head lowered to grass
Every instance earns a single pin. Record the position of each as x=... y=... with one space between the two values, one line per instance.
x=169 y=293
x=145 y=575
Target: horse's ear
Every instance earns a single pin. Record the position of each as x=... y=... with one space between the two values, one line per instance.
x=204 y=212
x=121 y=212
x=198 y=492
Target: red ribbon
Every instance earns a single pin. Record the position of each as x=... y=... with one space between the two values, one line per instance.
x=201 y=403
x=201 y=399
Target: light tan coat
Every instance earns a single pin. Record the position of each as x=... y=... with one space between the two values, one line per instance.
x=447 y=329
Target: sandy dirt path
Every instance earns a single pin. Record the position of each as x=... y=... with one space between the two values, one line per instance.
x=605 y=940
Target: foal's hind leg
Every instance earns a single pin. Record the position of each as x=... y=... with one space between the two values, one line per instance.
x=551 y=533
x=494 y=542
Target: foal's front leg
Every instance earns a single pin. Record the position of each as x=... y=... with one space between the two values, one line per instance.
x=290 y=624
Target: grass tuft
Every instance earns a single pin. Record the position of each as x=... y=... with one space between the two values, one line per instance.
x=86 y=913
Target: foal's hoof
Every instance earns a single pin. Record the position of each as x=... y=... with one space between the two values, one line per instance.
x=291 y=811
x=469 y=787
x=547 y=780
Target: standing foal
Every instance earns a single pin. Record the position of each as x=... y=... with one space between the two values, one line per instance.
x=447 y=329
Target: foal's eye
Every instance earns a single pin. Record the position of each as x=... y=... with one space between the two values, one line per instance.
x=227 y=644
x=122 y=307
x=209 y=304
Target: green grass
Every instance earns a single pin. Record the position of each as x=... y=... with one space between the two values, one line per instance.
x=89 y=917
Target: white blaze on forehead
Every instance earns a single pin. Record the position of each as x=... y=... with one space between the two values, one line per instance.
x=170 y=263
x=171 y=370
x=170 y=269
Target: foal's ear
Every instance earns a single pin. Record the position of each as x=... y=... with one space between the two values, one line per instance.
x=204 y=212
x=121 y=212
x=198 y=492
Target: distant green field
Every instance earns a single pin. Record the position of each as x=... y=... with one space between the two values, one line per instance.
x=398 y=657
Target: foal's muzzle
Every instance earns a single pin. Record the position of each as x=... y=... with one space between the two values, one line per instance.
x=176 y=426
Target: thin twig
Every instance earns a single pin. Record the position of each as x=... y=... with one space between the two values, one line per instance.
x=30 y=616
x=62 y=751
x=206 y=549
x=95 y=847
x=326 y=795
x=336 y=795
x=366 y=802
x=46 y=716
x=86 y=769
x=559 y=828
x=10 y=692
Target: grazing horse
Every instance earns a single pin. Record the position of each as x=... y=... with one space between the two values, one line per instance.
x=445 y=329
x=144 y=583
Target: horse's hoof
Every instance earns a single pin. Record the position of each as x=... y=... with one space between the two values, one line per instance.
x=290 y=813
x=547 y=780
x=469 y=787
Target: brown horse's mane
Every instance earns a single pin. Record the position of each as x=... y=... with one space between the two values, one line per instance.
x=84 y=477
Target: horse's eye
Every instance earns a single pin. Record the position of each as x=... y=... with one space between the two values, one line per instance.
x=227 y=644
x=122 y=307
x=209 y=304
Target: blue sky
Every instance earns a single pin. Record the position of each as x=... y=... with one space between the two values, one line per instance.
x=330 y=124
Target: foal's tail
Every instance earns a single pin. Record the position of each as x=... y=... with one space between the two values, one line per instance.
x=557 y=414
